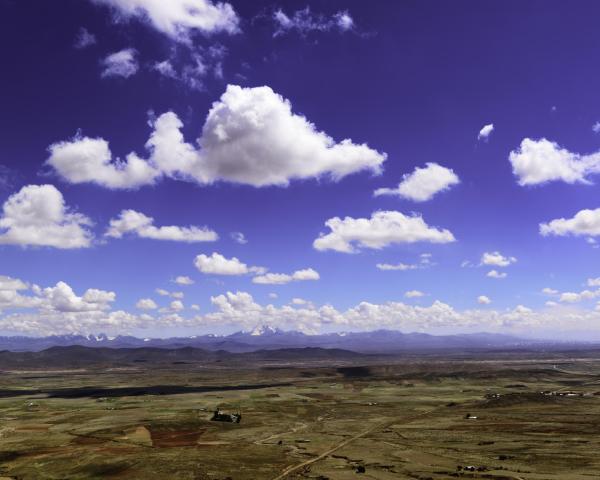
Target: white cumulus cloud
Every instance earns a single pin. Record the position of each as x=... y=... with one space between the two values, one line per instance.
x=183 y=280
x=550 y=291
x=89 y=160
x=38 y=216
x=62 y=298
x=306 y=274
x=573 y=297
x=585 y=222
x=146 y=304
x=251 y=136
x=299 y=301
x=382 y=229
x=496 y=274
x=136 y=223
x=241 y=310
x=12 y=294
x=165 y=293
x=414 y=294
x=176 y=305
x=56 y=310
x=483 y=300
x=283 y=278
x=497 y=259
x=59 y=309
x=178 y=19
x=9 y=283
x=217 y=264
x=423 y=184
x=541 y=161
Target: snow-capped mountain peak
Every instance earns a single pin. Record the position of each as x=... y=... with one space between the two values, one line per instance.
x=261 y=330
x=98 y=338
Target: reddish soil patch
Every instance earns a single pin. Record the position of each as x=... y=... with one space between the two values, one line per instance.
x=175 y=438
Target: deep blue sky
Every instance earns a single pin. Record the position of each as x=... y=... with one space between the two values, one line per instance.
x=414 y=79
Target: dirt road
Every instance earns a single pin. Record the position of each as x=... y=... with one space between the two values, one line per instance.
x=325 y=454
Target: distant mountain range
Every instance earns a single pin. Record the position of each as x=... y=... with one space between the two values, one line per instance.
x=267 y=338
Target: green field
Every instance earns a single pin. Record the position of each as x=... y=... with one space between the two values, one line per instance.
x=394 y=419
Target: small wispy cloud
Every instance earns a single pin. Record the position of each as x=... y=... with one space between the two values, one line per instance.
x=496 y=274
x=305 y=21
x=414 y=294
x=84 y=39
x=193 y=69
x=485 y=132
x=120 y=64
x=424 y=262
x=239 y=237
x=183 y=280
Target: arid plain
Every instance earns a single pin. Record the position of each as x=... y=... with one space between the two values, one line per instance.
x=503 y=415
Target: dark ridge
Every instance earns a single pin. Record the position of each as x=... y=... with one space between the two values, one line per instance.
x=75 y=356
x=101 y=392
x=355 y=372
